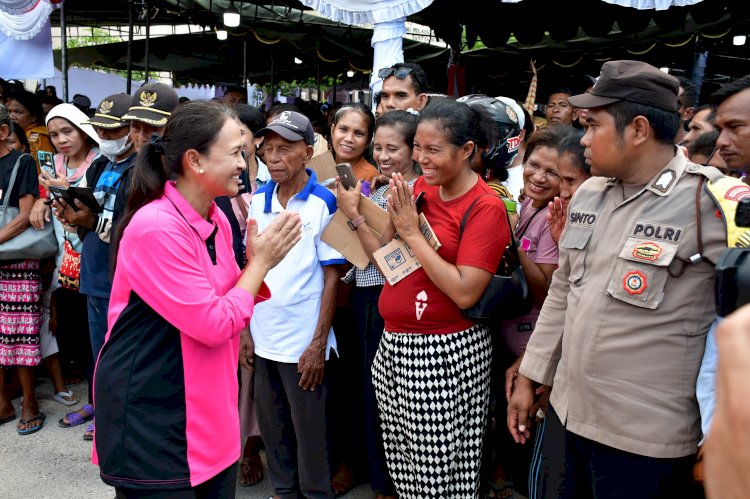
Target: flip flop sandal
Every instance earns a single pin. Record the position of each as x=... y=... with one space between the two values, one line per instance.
x=499 y=490
x=63 y=397
x=75 y=419
x=41 y=417
x=89 y=433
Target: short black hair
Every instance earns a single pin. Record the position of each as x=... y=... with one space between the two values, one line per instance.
x=250 y=116
x=236 y=88
x=704 y=143
x=711 y=115
x=571 y=144
x=280 y=108
x=664 y=122
x=689 y=92
x=418 y=76
x=729 y=90
x=51 y=99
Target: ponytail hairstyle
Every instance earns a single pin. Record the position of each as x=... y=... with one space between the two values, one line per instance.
x=193 y=125
x=15 y=129
x=459 y=122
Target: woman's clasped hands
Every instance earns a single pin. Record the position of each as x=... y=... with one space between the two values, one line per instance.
x=402 y=207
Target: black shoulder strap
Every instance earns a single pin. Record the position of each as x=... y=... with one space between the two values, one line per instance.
x=513 y=246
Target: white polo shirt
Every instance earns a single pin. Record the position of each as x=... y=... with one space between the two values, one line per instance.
x=283 y=327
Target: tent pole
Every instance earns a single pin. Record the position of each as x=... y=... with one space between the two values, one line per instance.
x=273 y=84
x=64 y=52
x=130 y=47
x=244 y=64
x=148 y=35
x=699 y=71
x=320 y=95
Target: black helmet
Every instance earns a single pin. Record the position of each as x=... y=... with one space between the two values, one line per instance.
x=505 y=138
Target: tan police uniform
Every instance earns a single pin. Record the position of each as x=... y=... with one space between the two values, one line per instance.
x=622 y=332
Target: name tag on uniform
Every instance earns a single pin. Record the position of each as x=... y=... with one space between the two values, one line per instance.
x=583 y=218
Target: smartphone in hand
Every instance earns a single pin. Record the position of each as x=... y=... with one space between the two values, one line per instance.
x=346 y=174
x=47 y=163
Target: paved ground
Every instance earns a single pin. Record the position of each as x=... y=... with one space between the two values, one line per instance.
x=55 y=462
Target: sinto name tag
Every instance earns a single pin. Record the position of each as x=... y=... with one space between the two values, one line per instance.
x=396 y=259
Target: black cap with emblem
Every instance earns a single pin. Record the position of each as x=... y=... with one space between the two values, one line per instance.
x=110 y=112
x=153 y=103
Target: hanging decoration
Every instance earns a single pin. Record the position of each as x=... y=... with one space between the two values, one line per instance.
x=266 y=42
x=366 y=11
x=26 y=25
x=653 y=4
x=720 y=35
x=562 y=65
x=17 y=6
x=641 y=52
x=680 y=44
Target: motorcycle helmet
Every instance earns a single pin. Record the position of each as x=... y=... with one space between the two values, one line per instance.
x=505 y=138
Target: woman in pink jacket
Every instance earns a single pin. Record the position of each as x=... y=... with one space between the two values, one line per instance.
x=166 y=380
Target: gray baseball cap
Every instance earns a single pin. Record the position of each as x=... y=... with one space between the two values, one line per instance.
x=292 y=126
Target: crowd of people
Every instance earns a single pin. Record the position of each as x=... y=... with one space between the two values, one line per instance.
x=193 y=288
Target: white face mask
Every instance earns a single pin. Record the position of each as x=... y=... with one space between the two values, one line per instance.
x=113 y=148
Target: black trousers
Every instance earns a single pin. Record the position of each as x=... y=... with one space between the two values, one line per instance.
x=222 y=486
x=293 y=426
x=574 y=467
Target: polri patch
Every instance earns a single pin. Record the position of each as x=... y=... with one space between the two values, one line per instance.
x=647 y=251
x=665 y=181
x=635 y=282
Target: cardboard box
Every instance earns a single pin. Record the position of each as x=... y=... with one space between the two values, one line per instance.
x=343 y=239
x=396 y=259
x=324 y=166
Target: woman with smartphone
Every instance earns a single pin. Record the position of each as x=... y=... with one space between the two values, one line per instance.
x=77 y=146
x=25 y=108
x=351 y=133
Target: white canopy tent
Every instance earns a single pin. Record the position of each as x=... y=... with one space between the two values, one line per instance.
x=389 y=18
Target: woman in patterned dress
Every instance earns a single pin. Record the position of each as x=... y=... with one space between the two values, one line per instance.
x=392 y=151
x=20 y=289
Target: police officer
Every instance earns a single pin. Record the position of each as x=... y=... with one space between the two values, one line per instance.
x=622 y=332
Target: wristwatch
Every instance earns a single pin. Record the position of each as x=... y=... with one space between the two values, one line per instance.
x=353 y=224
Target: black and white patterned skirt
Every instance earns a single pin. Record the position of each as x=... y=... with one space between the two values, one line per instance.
x=432 y=393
